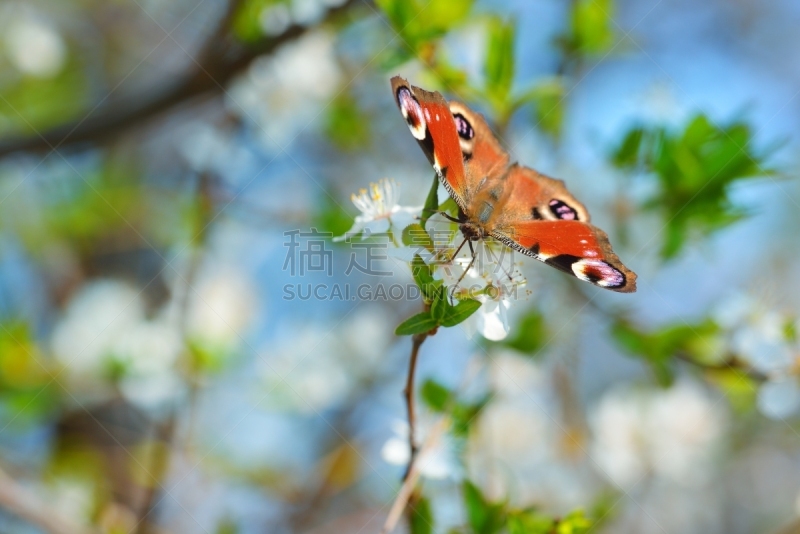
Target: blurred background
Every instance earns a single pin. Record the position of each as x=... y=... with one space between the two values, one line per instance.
x=159 y=160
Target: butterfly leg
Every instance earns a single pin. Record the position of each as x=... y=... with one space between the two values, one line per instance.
x=445 y=215
x=499 y=262
x=471 y=263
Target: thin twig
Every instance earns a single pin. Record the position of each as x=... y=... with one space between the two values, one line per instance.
x=217 y=64
x=417 y=342
x=166 y=431
x=410 y=481
x=16 y=499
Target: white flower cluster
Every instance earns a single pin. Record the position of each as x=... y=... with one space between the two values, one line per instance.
x=106 y=337
x=33 y=45
x=762 y=338
x=312 y=369
x=489 y=275
x=672 y=433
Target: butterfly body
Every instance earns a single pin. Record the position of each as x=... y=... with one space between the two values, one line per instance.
x=527 y=211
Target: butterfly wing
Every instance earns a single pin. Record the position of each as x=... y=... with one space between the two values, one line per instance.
x=540 y=218
x=485 y=160
x=428 y=117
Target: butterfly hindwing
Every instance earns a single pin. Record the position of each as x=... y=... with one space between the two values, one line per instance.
x=540 y=218
x=575 y=247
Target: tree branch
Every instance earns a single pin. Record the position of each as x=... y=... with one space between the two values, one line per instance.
x=17 y=500
x=417 y=342
x=218 y=62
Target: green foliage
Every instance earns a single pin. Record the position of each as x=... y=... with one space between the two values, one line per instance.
x=440 y=399
x=441 y=312
x=697 y=342
x=246 y=23
x=459 y=313
x=534 y=522
x=738 y=387
x=529 y=522
x=591 y=31
x=447 y=315
x=431 y=202
x=529 y=334
x=498 y=67
x=419 y=22
x=414 y=235
x=332 y=216
x=417 y=324
x=421 y=518
x=206 y=358
x=227 y=526
x=484 y=517
x=25 y=378
x=423 y=277
x=346 y=125
x=435 y=395
x=33 y=104
x=547 y=98
x=695 y=169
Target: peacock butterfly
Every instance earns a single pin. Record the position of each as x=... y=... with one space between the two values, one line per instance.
x=527 y=211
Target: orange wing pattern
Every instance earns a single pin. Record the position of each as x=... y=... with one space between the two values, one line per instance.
x=527 y=211
x=431 y=123
x=575 y=247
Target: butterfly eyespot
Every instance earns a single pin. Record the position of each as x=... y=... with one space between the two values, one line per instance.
x=463 y=127
x=563 y=211
x=412 y=113
x=536 y=215
x=598 y=272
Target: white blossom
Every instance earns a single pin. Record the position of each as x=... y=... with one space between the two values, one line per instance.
x=758 y=336
x=87 y=337
x=380 y=210
x=671 y=433
x=35 y=47
x=436 y=459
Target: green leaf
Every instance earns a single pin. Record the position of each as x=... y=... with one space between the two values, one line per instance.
x=460 y=312
x=699 y=341
x=346 y=125
x=627 y=154
x=574 y=523
x=484 y=517
x=439 y=304
x=418 y=324
x=246 y=23
x=591 y=31
x=421 y=520
x=431 y=203
x=694 y=169
x=529 y=334
x=421 y=272
x=739 y=388
x=332 y=217
x=414 y=235
x=548 y=100
x=421 y=22
x=435 y=395
x=465 y=414
x=499 y=65
x=529 y=522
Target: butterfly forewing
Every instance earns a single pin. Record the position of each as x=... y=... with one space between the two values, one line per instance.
x=431 y=123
